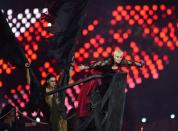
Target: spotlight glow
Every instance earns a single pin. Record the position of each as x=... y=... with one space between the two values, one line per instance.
x=144 y=120
x=172 y=116
x=37 y=119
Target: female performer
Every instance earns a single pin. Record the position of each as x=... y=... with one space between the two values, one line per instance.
x=109 y=65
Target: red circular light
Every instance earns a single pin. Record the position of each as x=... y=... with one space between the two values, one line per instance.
x=116 y=36
x=132 y=12
x=87 y=45
x=101 y=40
x=95 y=54
x=92 y=41
x=86 y=55
x=105 y=54
x=146 y=7
x=50 y=70
x=81 y=50
x=124 y=13
x=169 y=12
x=114 y=13
x=120 y=8
x=30 y=52
x=137 y=7
x=76 y=55
x=8 y=71
x=136 y=17
x=84 y=32
x=131 y=22
x=90 y=27
x=100 y=50
x=109 y=49
x=34 y=56
x=118 y=18
x=154 y=7
x=95 y=22
x=140 y=21
x=113 y=22
x=162 y=7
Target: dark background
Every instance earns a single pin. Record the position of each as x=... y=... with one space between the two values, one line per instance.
x=153 y=99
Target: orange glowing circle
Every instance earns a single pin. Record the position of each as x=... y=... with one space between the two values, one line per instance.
x=132 y=12
x=43 y=74
x=169 y=11
x=131 y=22
x=109 y=49
x=105 y=54
x=90 y=27
x=87 y=45
x=118 y=18
x=8 y=71
x=34 y=56
x=149 y=21
x=137 y=7
x=140 y=21
x=92 y=41
x=116 y=36
x=124 y=13
x=127 y=17
x=155 y=7
x=35 y=47
x=84 y=32
x=136 y=17
x=86 y=55
x=142 y=12
x=30 y=52
x=37 y=24
x=120 y=8
x=77 y=55
x=100 y=50
x=4 y=66
x=46 y=64
x=146 y=7
x=114 y=13
x=125 y=35
x=95 y=54
x=26 y=34
x=81 y=50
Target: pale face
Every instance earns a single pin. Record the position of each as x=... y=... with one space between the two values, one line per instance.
x=52 y=82
x=118 y=56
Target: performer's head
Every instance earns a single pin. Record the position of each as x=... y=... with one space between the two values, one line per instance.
x=118 y=56
x=51 y=81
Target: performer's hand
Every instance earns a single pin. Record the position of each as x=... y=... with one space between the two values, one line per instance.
x=27 y=65
x=83 y=67
x=142 y=63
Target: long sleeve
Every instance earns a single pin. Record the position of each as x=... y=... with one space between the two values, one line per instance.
x=102 y=64
x=130 y=63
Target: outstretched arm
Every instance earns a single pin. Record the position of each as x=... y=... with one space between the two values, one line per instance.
x=133 y=63
x=97 y=65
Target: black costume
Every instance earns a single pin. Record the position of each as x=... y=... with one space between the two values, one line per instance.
x=101 y=101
